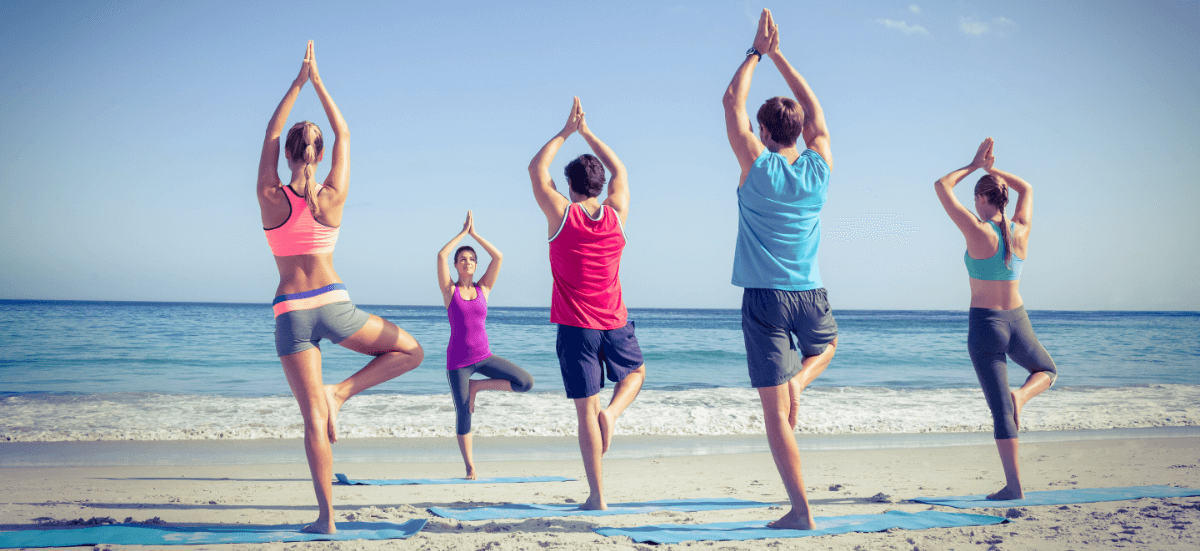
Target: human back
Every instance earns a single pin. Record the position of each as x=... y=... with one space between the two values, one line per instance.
x=302 y=268
x=989 y=232
x=585 y=264
x=779 y=223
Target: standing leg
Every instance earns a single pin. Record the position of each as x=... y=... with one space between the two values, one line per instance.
x=460 y=380
x=464 y=447
x=987 y=342
x=1012 y=470
x=395 y=351
x=303 y=371
x=587 y=413
x=776 y=404
x=993 y=377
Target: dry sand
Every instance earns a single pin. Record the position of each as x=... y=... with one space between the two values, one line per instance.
x=839 y=483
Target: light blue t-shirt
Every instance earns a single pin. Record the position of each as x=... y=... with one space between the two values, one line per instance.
x=779 y=224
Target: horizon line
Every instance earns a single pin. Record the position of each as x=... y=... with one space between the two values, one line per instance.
x=267 y=304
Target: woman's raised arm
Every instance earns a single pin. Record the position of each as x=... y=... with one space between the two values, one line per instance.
x=445 y=282
x=967 y=222
x=493 y=270
x=339 y=170
x=1023 y=215
x=268 y=163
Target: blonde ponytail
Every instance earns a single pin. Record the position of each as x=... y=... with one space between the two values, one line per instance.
x=311 y=189
x=304 y=144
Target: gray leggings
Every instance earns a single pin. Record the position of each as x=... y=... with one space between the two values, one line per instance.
x=991 y=335
x=494 y=367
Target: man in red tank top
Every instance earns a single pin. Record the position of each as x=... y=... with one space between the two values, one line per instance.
x=594 y=334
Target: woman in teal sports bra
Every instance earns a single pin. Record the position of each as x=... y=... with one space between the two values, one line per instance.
x=998 y=326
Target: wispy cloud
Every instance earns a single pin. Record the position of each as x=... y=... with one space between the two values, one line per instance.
x=902 y=26
x=973 y=26
x=914 y=8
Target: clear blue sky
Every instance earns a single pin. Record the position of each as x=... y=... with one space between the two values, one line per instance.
x=132 y=135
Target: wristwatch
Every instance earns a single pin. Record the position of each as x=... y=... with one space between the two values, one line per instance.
x=752 y=51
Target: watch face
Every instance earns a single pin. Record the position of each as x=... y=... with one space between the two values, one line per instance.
x=751 y=51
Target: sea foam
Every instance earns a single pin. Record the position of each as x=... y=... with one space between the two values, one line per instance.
x=44 y=417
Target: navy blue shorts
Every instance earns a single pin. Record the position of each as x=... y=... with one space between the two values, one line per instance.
x=782 y=326
x=584 y=355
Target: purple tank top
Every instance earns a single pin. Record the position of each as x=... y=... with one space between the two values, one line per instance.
x=468 y=336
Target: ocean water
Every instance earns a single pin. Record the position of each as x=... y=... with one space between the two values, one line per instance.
x=87 y=371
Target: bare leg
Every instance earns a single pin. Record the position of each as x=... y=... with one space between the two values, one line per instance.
x=395 y=351
x=623 y=395
x=1012 y=475
x=587 y=411
x=776 y=404
x=811 y=367
x=1037 y=383
x=464 y=447
x=477 y=385
x=303 y=371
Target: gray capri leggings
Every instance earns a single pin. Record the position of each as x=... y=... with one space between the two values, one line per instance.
x=494 y=367
x=991 y=335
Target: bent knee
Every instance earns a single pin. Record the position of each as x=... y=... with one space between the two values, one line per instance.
x=523 y=385
x=1053 y=373
x=414 y=351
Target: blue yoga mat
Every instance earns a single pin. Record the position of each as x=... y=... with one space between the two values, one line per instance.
x=406 y=481
x=1062 y=497
x=140 y=534
x=757 y=529
x=536 y=510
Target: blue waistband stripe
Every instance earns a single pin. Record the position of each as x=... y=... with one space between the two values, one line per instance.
x=307 y=294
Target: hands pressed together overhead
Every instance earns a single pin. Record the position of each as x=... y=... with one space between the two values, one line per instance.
x=766 y=38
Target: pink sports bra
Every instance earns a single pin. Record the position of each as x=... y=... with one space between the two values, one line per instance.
x=301 y=233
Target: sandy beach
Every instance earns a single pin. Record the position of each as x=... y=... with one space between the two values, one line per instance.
x=839 y=483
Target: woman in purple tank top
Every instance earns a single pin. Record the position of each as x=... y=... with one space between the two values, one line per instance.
x=468 y=352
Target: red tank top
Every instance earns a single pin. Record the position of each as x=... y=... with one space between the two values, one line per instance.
x=585 y=260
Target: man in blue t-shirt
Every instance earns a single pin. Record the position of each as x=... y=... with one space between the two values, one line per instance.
x=789 y=330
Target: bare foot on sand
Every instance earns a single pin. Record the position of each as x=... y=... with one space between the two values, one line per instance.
x=471 y=474
x=320 y=527
x=608 y=424
x=793 y=521
x=1006 y=494
x=334 y=406
x=594 y=504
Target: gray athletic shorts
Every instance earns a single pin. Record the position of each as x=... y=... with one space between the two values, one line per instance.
x=780 y=327
x=299 y=330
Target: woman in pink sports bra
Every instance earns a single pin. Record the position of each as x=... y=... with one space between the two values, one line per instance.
x=301 y=221
x=468 y=351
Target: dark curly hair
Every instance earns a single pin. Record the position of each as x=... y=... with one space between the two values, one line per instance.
x=585 y=175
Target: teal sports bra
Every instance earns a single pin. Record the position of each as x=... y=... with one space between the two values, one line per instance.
x=993 y=269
